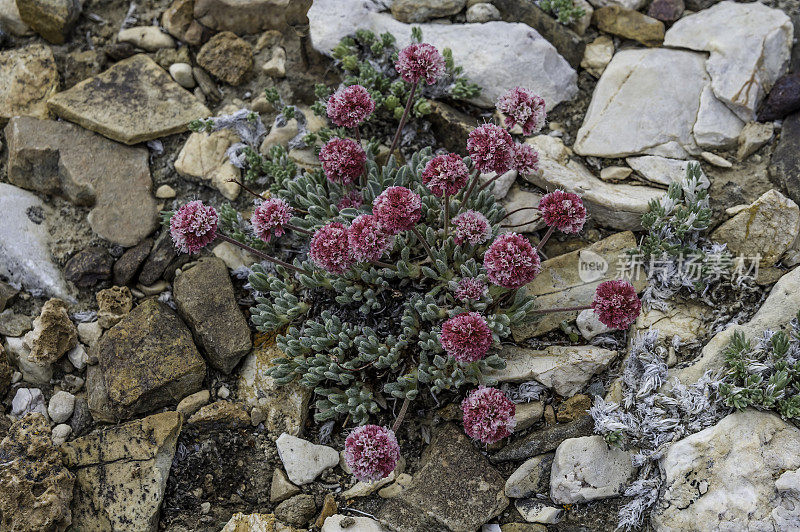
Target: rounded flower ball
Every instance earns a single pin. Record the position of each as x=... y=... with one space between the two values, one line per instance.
x=269 y=217
x=368 y=241
x=489 y=416
x=616 y=304
x=330 y=248
x=343 y=160
x=397 y=209
x=466 y=337
x=445 y=174
x=491 y=149
x=526 y=160
x=511 y=261
x=470 y=289
x=371 y=452
x=349 y=106
x=352 y=199
x=420 y=61
x=193 y=226
x=471 y=227
x=563 y=210
x=523 y=107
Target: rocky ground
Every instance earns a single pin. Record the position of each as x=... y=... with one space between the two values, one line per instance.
x=133 y=386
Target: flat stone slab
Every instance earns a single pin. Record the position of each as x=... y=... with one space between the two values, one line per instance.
x=133 y=101
x=28 y=77
x=455 y=489
x=87 y=169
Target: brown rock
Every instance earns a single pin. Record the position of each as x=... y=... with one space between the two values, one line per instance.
x=329 y=508
x=35 y=488
x=52 y=19
x=224 y=412
x=113 y=304
x=251 y=16
x=28 y=77
x=179 y=21
x=630 y=24
x=5 y=372
x=88 y=267
x=226 y=57
x=53 y=333
x=129 y=264
x=573 y=408
x=666 y=10
x=451 y=126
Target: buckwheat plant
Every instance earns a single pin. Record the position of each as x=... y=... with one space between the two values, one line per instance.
x=565 y=11
x=408 y=287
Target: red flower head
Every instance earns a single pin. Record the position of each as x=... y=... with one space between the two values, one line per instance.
x=522 y=107
x=352 y=199
x=526 y=160
x=563 y=210
x=445 y=174
x=420 y=61
x=470 y=289
x=343 y=160
x=330 y=248
x=471 y=227
x=511 y=261
x=491 y=149
x=269 y=217
x=371 y=452
x=349 y=106
x=616 y=304
x=466 y=337
x=397 y=209
x=193 y=226
x=368 y=241
x=489 y=416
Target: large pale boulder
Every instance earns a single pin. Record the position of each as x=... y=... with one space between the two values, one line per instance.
x=586 y=469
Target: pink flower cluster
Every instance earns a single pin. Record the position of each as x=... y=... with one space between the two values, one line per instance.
x=511 y=261
x=489 y=416
x=491 y=149
x=330 y=248
x=445 y=174
x=470 y=289
x=526 y=160
x=343 y=160
x=269 y=217
x=616 y=304
x=563 y=210
x=522 y=107
x=352 y=199
x=471 y=227
x=466 y=337
x=349 y=106
x=420 y=61
x=397 y=209
x=371 y=452
x=193 y=226
x=368 y=241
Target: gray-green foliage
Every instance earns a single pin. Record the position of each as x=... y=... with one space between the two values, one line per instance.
x=565 y=11
x=765 y=375
x=374 y=331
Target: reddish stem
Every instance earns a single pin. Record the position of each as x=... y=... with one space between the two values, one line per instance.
x=396 y=138
x=401 y=415
x=261 y=254
x=559 y=309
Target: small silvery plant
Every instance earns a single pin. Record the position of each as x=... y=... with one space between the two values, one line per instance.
x=408 y=285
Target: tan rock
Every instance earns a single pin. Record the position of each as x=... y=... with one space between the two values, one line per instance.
x=224 y=412
x=630 y=24
x=204 y=158
x=597 y=55
x=53 y=333
x=686 y=321
x=52 y=19
x=226 y=57
x=113 y=304
x=251 y=16
x=28 y=77
x=240 y=522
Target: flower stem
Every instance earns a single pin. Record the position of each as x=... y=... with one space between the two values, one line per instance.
x=383 y=264
x=559 y=309
x=446 y=215
x=472 y=184
x=402 y=123
x=298 y=229
x=424 y=243
x=256 y=194
x=261 y=254
x=544 y=239
x=490 y=181
x=519 y=210
x=401 y=415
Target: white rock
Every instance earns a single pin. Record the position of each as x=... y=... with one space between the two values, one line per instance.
x=659 y=169
x=204 y=158
x=503 y=183
x=19 y=354
x=182 y=73
x=60 y=433
x=354 y=524
x=534 y=511
x=634 y=112
x=495 y=55
x=276 y=67
x=749 y=47
x=482 y=12
x=10 y=20
x=149 y=38
x=777 y=311
x=615 y=173
x=589 y=325
x=565 y=369
x=752 y=137
x=302 y=460
x=685 y=320
x=619 y=206
x=597 y=55
x=89 y=332
x=78 y=357
x=732 y=476
x=522 y=221
x=527 y=479
x=586 y=469
x=25 y=243
x=28 y=400
x=715 y=159
x=61 y=406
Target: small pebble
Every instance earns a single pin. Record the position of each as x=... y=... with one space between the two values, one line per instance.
x=205 y=507
x=716 y=160
x=60 y=434
x=223 y=392
x=165 y=191
x=182 y=73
